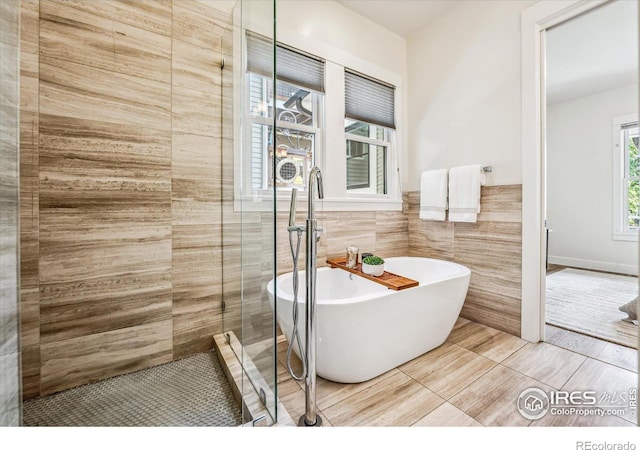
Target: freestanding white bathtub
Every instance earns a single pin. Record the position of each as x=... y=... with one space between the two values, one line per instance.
x=365 y=329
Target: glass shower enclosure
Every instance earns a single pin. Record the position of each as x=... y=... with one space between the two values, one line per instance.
x=249 y=206
x=246 y=259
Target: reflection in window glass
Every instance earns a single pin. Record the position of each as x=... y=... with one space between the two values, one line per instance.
x=288 y=161
x=366 y=167
x=294 y=157
x=367 y=148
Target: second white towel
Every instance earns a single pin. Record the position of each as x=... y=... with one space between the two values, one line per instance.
x=464 y=193
x=433 y=194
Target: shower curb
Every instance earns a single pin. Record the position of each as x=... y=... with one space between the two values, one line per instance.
x=250 y=403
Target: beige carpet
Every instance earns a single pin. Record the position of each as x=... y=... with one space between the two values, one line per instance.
x=587 y=302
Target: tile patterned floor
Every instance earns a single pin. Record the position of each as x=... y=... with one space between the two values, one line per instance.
x=604 y=351
x=189 y=392
x=473 y=379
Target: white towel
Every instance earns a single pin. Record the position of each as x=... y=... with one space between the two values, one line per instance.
x=433 y=194
x=464 y=193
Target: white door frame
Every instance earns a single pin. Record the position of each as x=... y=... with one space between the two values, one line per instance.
x=534 y=21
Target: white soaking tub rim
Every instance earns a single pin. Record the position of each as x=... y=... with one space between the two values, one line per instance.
x=462 y=270
x=381 y=290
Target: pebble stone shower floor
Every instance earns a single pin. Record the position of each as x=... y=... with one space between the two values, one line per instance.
x=189 y=392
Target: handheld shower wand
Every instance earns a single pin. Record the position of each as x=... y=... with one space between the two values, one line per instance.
x=295 y=250
x=292 y=208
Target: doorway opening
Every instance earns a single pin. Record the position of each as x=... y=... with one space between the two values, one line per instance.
x=591 y=178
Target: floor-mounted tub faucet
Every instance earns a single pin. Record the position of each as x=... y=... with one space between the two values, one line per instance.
x=308 y=356
x=311 y=418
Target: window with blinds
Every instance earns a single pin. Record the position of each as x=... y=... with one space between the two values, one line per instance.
x=291 y=65
x=369 y=100
x=283 y=158
x=369 y=124
x=285 y=106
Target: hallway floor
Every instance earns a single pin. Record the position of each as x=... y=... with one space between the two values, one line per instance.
x=587 y=301
x=473 y=379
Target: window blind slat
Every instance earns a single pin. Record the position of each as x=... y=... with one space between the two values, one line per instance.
x=291 y=66
x=299 y=69
x=259 y=54
x=368 y=100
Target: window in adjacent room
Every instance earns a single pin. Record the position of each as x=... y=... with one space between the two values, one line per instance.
x=626 y=178
x=369 y=127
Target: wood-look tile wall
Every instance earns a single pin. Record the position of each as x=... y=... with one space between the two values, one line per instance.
x=9 y=188
x=491 y=248
x=29 y=198
x=120 y=185
x=385 y=233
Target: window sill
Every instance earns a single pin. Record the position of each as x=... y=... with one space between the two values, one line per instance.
x=361 y=204
x=631 y=236
x=265 y=204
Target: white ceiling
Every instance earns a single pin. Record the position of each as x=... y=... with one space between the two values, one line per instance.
x=593 y=52
x=403 y=17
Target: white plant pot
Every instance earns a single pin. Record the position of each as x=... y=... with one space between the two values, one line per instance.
x=375 y=271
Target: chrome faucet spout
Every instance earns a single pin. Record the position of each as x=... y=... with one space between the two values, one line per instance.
x=315 y=179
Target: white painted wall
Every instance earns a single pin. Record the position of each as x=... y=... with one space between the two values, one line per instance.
x=580 y=181
x=325 y=24
x=464 y=83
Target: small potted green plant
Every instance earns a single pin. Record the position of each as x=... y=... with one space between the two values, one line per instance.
x=373 y=265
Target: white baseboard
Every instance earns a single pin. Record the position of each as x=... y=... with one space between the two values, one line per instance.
x=627 y=269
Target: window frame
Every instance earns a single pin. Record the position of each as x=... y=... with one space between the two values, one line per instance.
x=370 y=191
x=621 y=229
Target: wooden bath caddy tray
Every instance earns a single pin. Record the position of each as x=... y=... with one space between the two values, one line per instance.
x=388 y=279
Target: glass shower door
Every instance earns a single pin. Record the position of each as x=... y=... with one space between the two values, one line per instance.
x=248 y=215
